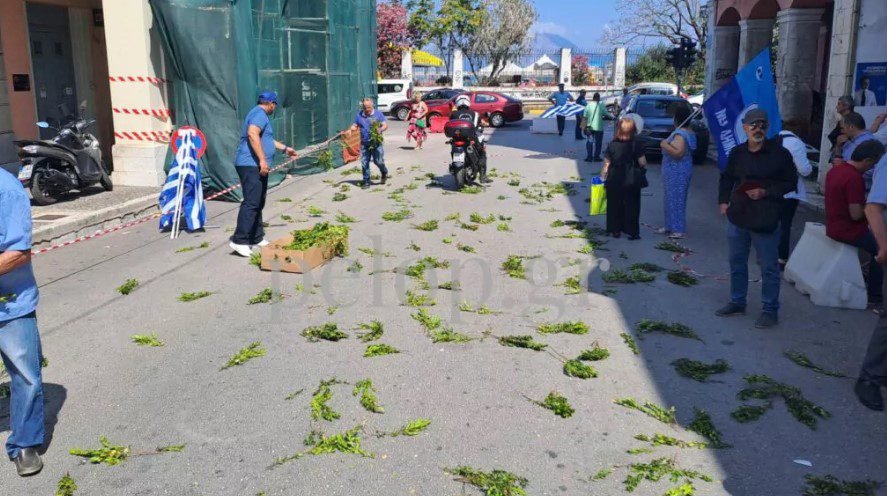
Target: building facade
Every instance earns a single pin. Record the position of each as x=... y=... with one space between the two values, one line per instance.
x=823 y=49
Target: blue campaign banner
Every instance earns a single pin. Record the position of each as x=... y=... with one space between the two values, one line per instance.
x=751 y=88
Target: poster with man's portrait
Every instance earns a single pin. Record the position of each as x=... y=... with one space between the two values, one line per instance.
x=870 y=88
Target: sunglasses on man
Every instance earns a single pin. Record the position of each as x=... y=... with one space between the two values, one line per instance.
x=762 y=125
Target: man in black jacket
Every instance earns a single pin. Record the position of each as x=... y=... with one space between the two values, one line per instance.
x=463 y=112
x=758 y=175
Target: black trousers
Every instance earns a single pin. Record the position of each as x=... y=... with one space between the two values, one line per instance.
x=594 y=145
x=561 y=124
x=786 y=216
x=623 y=210
x=249 y=229
x=579 y=133
x=874 y=365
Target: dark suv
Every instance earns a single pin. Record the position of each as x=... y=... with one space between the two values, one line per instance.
x=401 y=110
x=658 y=113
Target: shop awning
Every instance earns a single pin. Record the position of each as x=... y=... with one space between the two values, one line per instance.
x=425 y=59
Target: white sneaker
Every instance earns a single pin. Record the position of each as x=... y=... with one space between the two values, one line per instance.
x=264 y=242
x=242 y=250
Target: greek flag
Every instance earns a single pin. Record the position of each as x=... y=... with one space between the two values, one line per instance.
x=568 y=109
x=183 y=189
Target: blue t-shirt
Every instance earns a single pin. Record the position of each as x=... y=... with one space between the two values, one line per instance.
x=851 y=145
x=245 y=156
x=17 y=286
x=364 y=122
x=561 y=97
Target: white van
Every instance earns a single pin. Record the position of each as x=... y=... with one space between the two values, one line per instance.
x=393 y=90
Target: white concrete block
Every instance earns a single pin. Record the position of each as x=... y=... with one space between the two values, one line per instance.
x=139 y=164
x=826 y=270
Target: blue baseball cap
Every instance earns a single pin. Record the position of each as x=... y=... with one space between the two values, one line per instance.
x=268 y=97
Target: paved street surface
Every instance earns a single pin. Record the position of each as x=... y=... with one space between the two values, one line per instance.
x=236 y=422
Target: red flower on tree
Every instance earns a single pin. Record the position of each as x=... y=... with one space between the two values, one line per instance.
x=393 y=36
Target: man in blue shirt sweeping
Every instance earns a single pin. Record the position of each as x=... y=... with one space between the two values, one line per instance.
x=19 y=339
x=254 y=154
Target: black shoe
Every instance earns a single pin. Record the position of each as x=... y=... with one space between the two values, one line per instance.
x=589 y=160
x=869 y=394
x=598 y=159
x=365 y=186
x=485 y=180
x=730 y=309
x=28 y=462
x=766 y=320
x=384 y=178
x=634 y=237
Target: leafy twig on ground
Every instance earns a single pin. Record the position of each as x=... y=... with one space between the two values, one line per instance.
x=254 y=350
x=328 y=332
x=186 y=249
x=416 y=299
x=602 y=473
x=699 y=371
x=522 y=342
x=681 y=278
x=465 y=248
x=266 y=295
x=595 y=354
x=397 y=216
x=661 y=468
x=173 y=448
x=146 y=339
x=572 y=285
x=480 y=219
x=128 y=287
x=314 y=211
x=557 y=404
x=703 y=426
x=428 y=321
x=412 y=428
x=347 y=442
x=355 y=267
x=629 y=341
x=430 y=225
x=339 y=196
x=651 y=409
x=471 y=190
x=575 y=368
x=372 y=252
x=66 y=486
x=762 y=387
x=374 y=331
x=368 y=399
x=256 y=258
x=108 y=454
x=345 y=218
x=647 y=326
x=630 y=277
x=646 y=267
x=449 y=286
x=375 y=350
x=322 y=395
x=448 y=335
x=188 y=297
x=569 y=327
x=503 y=227
x=664 y=440
x=293 y=395
x=495 y=483
x=829 y=485
x=514 y=266
x=803 y=361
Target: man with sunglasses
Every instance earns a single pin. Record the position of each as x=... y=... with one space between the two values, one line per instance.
x=759 y=173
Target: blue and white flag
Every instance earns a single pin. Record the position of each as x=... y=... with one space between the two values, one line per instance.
x=183 y=185
x=568 y=109
x=752 y=87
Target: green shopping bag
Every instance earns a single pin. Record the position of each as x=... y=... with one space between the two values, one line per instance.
x=598 y=203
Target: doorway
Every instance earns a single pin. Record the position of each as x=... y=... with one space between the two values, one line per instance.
x=53 y=64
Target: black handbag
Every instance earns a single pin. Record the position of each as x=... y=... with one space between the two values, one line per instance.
x=760 y=216
x=636 y=176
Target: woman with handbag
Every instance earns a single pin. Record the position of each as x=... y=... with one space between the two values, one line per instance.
x=418 y=121
x=624 y=174
x=677 y=169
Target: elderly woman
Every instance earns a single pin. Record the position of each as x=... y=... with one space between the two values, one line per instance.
x=418 y=120
x=623 y=176
x=677 y=169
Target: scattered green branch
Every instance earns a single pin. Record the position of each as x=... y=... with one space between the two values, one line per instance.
x=471 y=190
x=173 y=448
x=66 y=486
x=575 y=368
x=127 y=287
x=412 y=428
x=627 y=277
x=321 y=234
x=699 y=371
x=761 y=387
x=339 y=196
x=803 y=361
x=372 y=252
x=557 y=404
x=320 y=398
x=327 y=332
x=448 y=335
x=629 y=341
x=255 y=258
x=569 y=327
x=595 y=354
x=602 y=473
x=703 y=425
x=647 y=326
x=266 y=295
x=347 y=442
x=469 y=227
x=682 y=278
x=430 y=225
x=345 y=218
x=465 y=248
x=651 y=409
x=495 y=483
x=416 y=299
x=503 y=227
x=671 y=246
x=188 y=297
x=829 y=485
x=428 y=321
x=375 y=350
x=355 y=267
x=663 y=440
x=514 y=267
x=146 y=339
x=186 y=249
x=661 y=468
x=254 y=350
x=293 y=395
x=108 y=454
x=397 y=216
x=368 y=399
x=480 y=219
x=449 y=286
x=314 y=211
x=374 y=331
x=572 y=285
x=522 y=342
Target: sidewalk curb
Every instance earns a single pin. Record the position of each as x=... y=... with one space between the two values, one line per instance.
x=89 y=222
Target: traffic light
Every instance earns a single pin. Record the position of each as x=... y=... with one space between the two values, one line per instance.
x=689 y=52
x=673 y=57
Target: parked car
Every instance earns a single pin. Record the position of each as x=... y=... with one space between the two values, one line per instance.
x=613 y=102
x=400 y=110
x=658 y=114
x=393 y=90
x=501 y=108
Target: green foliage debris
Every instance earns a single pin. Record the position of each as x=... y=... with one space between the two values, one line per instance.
x=471 y=190
x=703 y=425
x=514 y=267
x=347 y=442
x=368 y=399
x=146 y=339
x=428 y=321
x=522 y=342
x=327 y=332
x=397 y=216
x=575 y=368
x=256 y=258
x=699 y=371
x=595 y=354
x=412 y=428
x=417 y=299
x=663 y=440
x=663 y=415
x=108 y=454
x=646 y=267
x=495 y=483
x=803 y=361
x=465 y=248
x=762 y=387
x=343 y=218
x=449 y=286
x=430 y=225
x=66 y=486
x=127 y=287
x=829 y=485
x=314 y=211
x=568 y=327
x=448 y=335
x=557 y=404
x=254 y=350
x=647 y=326
x=322 y=395
x=339 y=196
x=629 y=341
x=374 y=331
x=468 y=227
x=503 y=227
x=355 y=267
x=188 y=297
x=186 y=249
x=572 y=285
x=322 y=234
x=602 y=473
x=173 y=448
x=375 y=350
x=660 y=468
x=682 y=278
x=325 y=160
x=627 y=277
x=266 y=295
x=480 y=219
x=671 y=246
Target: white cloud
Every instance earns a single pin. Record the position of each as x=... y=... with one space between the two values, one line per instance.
x=549 y=27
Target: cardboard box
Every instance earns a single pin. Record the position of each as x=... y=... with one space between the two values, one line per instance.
x=276 y=257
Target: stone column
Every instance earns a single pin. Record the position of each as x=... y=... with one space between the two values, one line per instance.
x=132 y=52
x=458 y=70
x=406 y=64
x=566 y=68
x=619 y=68
x=840 y=73
x=754 y=36
x=796 y=62
x=725 y=57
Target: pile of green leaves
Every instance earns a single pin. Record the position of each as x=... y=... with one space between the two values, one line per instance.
x=322 y=234
x=397 y=216
x=829 y=485
x=646 y=267
x=328 y=332
x=465 y=248
x=186 y=249
x=671 y=246
x=374 y=331
x=368 y=399
x=343 y=218
x=557 y=404
x=416 y=299
x=514 y=267
x=627 y=277
x=449 y=286
x=339 y=196
x=663 y=440
x=480 y=219
x=347 y=442
x=682 y=278
x=572 y=285
x=568 y=327
x=428 y=321
x=647 y=326
x=575 y=368
x=471 y=189
x=314 y=211
x=703 y=425
x=355 y=267
x=661 y=468
x=804 y=361
x=375 y=350
x=762 y=387
x=503 y=227
x=469 y=227
x=522 y=342
x=325 y=160
x=595 y=354
x=699 y=371
x=412 y=428
x=629 y=341
x=322 y=395
x=376 y=136
x=108 y=454
x=256 y=258
x=127 y=287
x=146 y=340
x=266 y=295
x=254 y=350
x=448 y=335
x=495 y=483
x=430 y=225
x=66 y=486
x=663 y=415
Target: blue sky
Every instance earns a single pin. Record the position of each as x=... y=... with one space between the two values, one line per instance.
x=580 y=21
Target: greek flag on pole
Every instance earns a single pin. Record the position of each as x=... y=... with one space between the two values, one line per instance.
x=183 y=185
x=568 y=109
x=752 y=87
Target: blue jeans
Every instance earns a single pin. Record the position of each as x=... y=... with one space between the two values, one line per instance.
x=766 y=246
x=378 y=156
x=21 y=352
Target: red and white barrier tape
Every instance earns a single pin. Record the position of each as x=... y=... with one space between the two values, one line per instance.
x=161 y=113
x=159 y=136
x=137 y=79
x=305 y=151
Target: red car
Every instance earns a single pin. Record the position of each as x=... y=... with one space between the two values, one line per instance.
x=500 y=108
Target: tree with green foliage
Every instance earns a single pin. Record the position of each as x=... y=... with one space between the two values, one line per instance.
x=504 y=32
x=651 y=66
x=453 y=24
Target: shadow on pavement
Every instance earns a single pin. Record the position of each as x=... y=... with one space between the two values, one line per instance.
x=54 y=396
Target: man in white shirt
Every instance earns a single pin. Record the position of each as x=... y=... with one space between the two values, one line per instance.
x=798 y=150
x=864 y=97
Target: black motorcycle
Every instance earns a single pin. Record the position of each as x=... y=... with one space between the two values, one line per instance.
x=70 y=161
x=465 y=140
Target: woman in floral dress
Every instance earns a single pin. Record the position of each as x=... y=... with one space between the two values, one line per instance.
x=418 y=121
x=677 y=169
